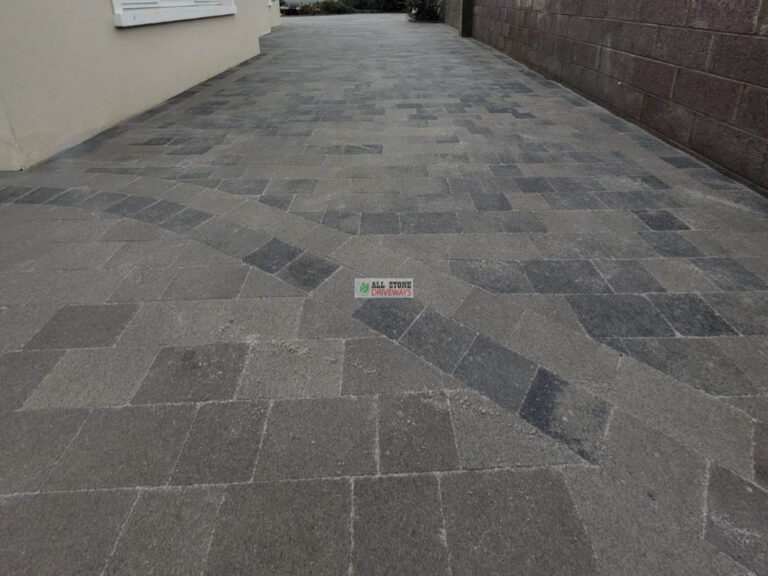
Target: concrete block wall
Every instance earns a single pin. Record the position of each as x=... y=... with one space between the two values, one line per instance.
x=695 y=71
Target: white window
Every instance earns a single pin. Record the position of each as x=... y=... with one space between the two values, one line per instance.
x=140 y=12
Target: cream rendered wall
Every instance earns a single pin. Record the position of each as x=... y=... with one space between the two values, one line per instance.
x=66 y=73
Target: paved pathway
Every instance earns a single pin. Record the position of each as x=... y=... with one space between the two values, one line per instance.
x=579 y=387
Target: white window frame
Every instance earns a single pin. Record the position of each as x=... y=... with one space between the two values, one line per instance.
x=141 y=12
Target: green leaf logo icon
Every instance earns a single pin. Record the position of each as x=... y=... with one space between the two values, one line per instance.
x=364 y=287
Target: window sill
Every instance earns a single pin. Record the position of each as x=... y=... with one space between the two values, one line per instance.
x=144 y=17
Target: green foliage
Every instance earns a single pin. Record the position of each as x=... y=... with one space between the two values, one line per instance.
x=425 y=10
x=322 y=7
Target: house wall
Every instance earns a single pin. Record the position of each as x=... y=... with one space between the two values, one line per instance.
x=452 y=13
x=695 y=71
x=66 y=72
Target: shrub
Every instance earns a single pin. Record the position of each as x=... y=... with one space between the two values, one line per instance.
x=425 y=10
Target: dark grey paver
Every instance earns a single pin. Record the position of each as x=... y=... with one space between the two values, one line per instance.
x=318 y=438
x=391 y=317
x=746 y=311
x=729 y=275
x=533 y=185
x=222 y=444
x=628 y=276
x=691 y=315
x=31 y=443
x=84 y=327
x=565 y=277
x=158 y=212
x=243 y=186
x=520 y=222
x=130 y=205
x=39 y=196
x=661 y=220
x=291 y=186
x=737 y=518
x=698 y=362
x=415 y=434
x=168 y=532
x=185 y=220
x=135 y=446
x=496 y=372
x=566 y=413
x=273 y=256
x=308 y=271
x=398 y=527
x=493 y=275
x=483 y=514
x=571 y=200
x=54 y=534
x=21 y=372
x=438 y=340
x=619 y=315
x=193 y=374
x=283 y=529
x=11 y=193
x=490 y=202
x=379 y=223
x=348 y=222
x=671 y=245
x=429 y=222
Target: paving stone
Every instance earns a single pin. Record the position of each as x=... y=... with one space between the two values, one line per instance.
x=293 y=369
x=671 y=245
x=747 y=312
x=308 y=271
x=193 y=374
x=491 y=436
x=439 y=340
x=653 y=543
x=379 y=223
x=84 y=327
x=488 y=202
x=483 y=513
x=697 y=362
x=628 y=276
x=259 y=284
x=135 y=446
x=89 y=378
x=168 y=532
x=533 y=185
x=243 y=186
x=737 y=518
x=39 y=196
x=204 y=282
x=620 y=315
x=661 y=220
x=21 y=373
x=679 y=275
x=348 y=222
x=566 y=413
x=321 y=320
x=437 y=287
x=565 y=277
x=415 y=434
x=186 y=220
x=571 y=200
x=291 y=186
x=690 y=315
x=496 y=276
x=130 y=205
x=662 y=470
x=318 y=438
x=185 y=323
x=283 y=529
x=761 y=455
x=31 y=443
x=380 y=366
x=496 y=372
x=398 y=527
x=391 y=317
x=11 y=193
x=222 y=444
x=158 y=212
x=273 y=256
x=729 y=275
x=429 y=223
x=519 y=222
x=52 y=534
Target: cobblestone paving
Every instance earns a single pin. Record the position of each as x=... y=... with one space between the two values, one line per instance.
x=579 y=387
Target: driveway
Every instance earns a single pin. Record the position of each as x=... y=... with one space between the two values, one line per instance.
x=579 y=385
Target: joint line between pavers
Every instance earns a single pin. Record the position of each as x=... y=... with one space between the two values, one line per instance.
x=443 y=528
x=183 y=445
x=376 y=443
x=213 y=533
x=63 y=452
x=351 y=563
x=261 y=439
x=705 y=503
x=120 y=534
